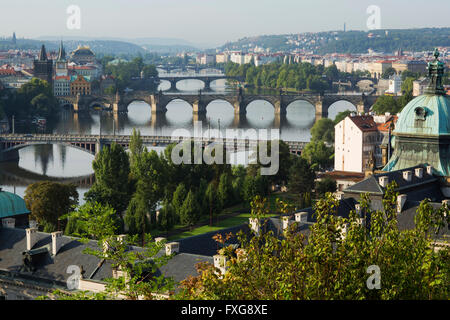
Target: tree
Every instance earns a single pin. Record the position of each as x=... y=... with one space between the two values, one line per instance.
x=136 y=151
x=323 y=130
x=179 y=196
x=189 y=213
x=91 y=220
x=319 y=155
x=334 y=261
x=167 y=217
x=301 y=177
x=225 y=191
x=387 y=104
x=112 y=169
x=341 y=116
x=48 y=201
x=388 y=73
x=213 y=204
x=325 y=185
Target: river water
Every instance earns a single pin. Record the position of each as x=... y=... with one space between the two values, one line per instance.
x=66 y=164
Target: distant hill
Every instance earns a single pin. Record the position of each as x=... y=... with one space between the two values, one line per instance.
x=388 y=40
x=100 y=47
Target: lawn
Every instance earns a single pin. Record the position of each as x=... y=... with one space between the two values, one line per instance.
x=227 y=223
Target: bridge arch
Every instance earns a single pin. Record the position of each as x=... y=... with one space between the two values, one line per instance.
x=339 y=106
x=89 y=147
x=300 y=112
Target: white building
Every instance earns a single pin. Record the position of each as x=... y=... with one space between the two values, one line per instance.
x=395 y=85
x=61 y=86
x=358 y=140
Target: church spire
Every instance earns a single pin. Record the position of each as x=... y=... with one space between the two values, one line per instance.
x=43 y=54
x=435 y=73
x=61 y=53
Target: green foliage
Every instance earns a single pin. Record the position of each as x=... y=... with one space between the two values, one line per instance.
x=390 y=104
x=323 y=130
x=48 y=201
x=91 y=220
x=301 y=177
x=124 y=72
x=341 y=116
x=34 y=98
x=333 y=262
x=112 y=169
x=318 y=155
x=225 y=191
x=190 y=211
x=275 y=75
x=137 y=276
x=324 y=186
x=167 y=217
x=388 y=73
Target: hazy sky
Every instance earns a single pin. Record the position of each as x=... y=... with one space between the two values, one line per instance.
x=212 y=22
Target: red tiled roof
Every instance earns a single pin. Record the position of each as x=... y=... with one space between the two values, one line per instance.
x=364 y=123
x=385 y=126
x=8 y=72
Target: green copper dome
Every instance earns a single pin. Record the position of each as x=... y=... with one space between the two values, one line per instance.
x=422 y=131
x=11 y=205
x=425 y=115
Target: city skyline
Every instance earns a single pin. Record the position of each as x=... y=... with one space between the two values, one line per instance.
x=213 y=23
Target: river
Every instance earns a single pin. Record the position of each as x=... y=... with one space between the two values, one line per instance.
x=66 y=164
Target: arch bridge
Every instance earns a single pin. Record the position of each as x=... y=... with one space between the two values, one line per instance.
x=207 y=80
x=199 y=102
x=10 y=144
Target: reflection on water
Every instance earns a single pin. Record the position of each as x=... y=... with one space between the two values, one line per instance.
x=63 y=163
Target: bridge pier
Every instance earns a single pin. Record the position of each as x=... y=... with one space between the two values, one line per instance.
x=198 y=107
x=321 y=110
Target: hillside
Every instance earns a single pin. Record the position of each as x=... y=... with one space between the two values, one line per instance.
x=350 y=41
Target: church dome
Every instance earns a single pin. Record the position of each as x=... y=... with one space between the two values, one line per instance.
x=83 y=51
x=11 y=205
x=422 y=131
x=425 y=115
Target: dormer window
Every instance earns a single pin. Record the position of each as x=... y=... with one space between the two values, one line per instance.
x=421 y=113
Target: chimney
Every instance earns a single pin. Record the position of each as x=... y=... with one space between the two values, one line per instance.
x=9 y=223
x=419 y=173
x=172 y=247
x=429 y=170
x=220 y=262
x=401 y=199
x=33 y=224
x=301 y=217
x=383 y=181
x=31 y=237
x=407 y=175
x=286 y=223
x=160 y=239
x=56 y=242
x=254 y=225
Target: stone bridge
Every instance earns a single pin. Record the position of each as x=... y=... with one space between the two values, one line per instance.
x=199 y=102
x=10 y=144
x=240 y=102
x=205 y=79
